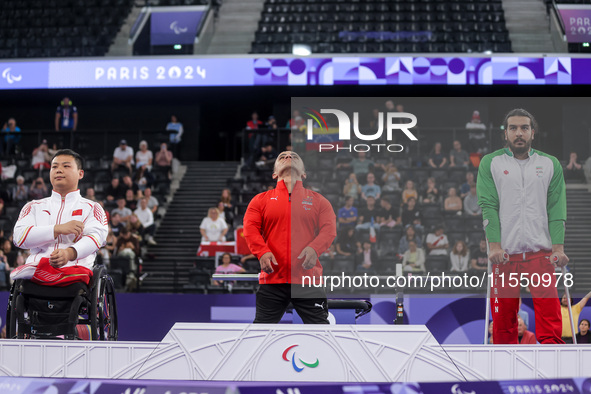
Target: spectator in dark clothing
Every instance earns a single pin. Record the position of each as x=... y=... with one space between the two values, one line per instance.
x=115 y=191
x=574 y=170
x=584 y=335
x=116 y=224
x=410 y=213
x=437 y=159
x=367 y=259
x=347 y=242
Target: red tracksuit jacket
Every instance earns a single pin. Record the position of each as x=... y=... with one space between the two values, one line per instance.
x=284 y=225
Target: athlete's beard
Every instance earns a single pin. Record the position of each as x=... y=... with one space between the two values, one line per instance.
x=518 y=150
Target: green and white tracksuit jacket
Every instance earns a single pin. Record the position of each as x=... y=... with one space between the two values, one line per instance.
x=523 y=204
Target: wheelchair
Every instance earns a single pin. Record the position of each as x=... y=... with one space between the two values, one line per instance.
x=76 y=311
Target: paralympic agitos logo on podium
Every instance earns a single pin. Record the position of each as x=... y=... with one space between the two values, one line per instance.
x=294 y=364
x=325 y=138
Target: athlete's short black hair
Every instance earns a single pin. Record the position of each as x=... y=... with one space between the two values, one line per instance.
x=69 y=152
x=520 y=112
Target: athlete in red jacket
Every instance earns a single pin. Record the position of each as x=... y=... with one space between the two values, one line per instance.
x=286 y=229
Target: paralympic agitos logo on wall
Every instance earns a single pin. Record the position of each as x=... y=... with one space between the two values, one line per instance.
x=294 y=364
x=386 y=125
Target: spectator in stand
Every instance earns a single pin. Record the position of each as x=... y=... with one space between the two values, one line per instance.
x=90 y=194
x=128 y=184
x=437 y=242
x=431 y=194
x=130 y=200
x=4 y=270
x=459 y=257
x=122 y=210
x=465 y=188
x=66 y=116
x=144 y=157
x=42 y=156
x=574 y=170
x=164 y=159
x=411 y=215
x=152 y=201
x=123 y=157
x=135 y=226
x=226 y=214
x=524 y=336
x=584 y=335
x=477 y=134
x=391 y=178
x=255 y=140
x=115 y=191
x=360 y=165
x=409 y=236
x=20 y=191
x=271 y=125
x=436 y=158
x=567 y=334
x=347 y=243
x=226 y=198
x=458 y=157
x=265 y=156
x=226 y=267
x=453 y=203
x=371 y=188
x=479 y=259
x=471 y=207
x=368 y=215
x=128 y=246
x=388 y=215
x=296 y=122
x=413 y=260
x=348 y=215
x=11 y=141
x=352 y=187
x=176 y=130
x=409 y=192
x=146 y=217
x=367 y=259
x=213 y=228
x=116 y=224
x=107 y=251
x=11 y=254
x=38 y=190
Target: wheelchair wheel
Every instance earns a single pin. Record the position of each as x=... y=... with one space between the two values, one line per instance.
x=11 y=312
x=103 y=309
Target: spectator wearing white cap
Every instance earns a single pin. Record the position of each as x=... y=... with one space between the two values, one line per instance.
x=123 y=157
x=20 y=191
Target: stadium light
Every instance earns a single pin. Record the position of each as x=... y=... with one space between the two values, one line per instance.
x=487 y=52
x=178 y=47
x=585 y=44
x=301 y=50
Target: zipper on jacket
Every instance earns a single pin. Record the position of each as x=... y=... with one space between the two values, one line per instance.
x=59 y=217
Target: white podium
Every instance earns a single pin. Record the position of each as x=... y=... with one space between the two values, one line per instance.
x=287 y=353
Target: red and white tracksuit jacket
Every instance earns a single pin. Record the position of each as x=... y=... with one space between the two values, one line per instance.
x=285 y=224
x=34 y=231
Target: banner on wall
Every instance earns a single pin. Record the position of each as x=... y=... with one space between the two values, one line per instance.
x=174 y=27
x=577 y=21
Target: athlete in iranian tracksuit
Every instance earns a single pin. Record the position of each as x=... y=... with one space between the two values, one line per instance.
x=523 y=199
x=287 y=228
x=63 y=231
